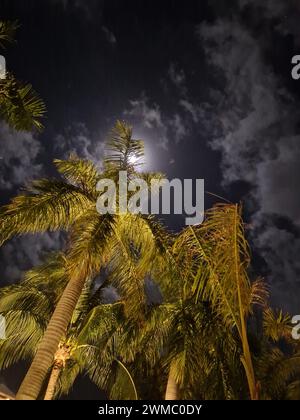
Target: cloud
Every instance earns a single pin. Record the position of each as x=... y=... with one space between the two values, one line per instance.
x=77 y=139
x=19 y=162
x=18 y=157
x=21 y=254
x=167 y=128
x=149 y=116
x=259 y=141
x=282 y=15
x=110 y=36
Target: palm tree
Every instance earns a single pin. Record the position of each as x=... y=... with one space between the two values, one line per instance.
x=278 y=358
x=221 y=255
x=189 y=337
x=70 y=204
x=20 y=105
x=27 y=308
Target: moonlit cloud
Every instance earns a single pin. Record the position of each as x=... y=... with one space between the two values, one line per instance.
x=259 y=142
x=77 y=139
x=166 y=128
x=18 y=157
x=21 y=254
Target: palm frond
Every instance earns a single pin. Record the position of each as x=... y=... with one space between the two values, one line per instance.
x=81 y=173
x=7 y=32
x=90 y=239
x=276 y=325
x=122 y=151
x=23 y=333
x=21 y=106
x=46 y=205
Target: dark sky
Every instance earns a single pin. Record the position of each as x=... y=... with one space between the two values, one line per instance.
x=207 y=84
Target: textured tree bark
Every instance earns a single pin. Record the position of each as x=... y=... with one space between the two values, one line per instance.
x=57 y=368
x=57 y=327
x=172 y=390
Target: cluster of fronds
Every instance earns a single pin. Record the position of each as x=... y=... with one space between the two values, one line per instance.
x=20 y=106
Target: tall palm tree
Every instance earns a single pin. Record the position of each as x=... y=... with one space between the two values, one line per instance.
x=27 y=308
x=222 y=257
x=70 y=204
x=20 y=106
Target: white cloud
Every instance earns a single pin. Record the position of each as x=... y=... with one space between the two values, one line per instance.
x=110 y=36
x=18 y=157
x=150 y=117
x=167 y=129
x=259 y=142
x=21 y=254
x=77 y=139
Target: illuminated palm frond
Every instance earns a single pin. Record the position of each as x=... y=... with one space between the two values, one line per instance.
x=7 y=33
x=277 y=325
x=122 y=151
x=223 y=253
x=20 y=106
x=45 y=205
x=81 y=173
x=276 y=371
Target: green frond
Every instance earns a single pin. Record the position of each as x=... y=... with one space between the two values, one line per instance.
x=100 y=324
x=67 y=377
x=46 y=205
x=124 y=387
x=122 y=151
x=276 y=325
x=20 y=106
x=90 y=239
x=222 y=247
x=81 y=173
x=24 y=330
x=7 y=32
x=50 y=277
x=276 y=371
x=293 y=391
x=20 y=297
x=133 y=253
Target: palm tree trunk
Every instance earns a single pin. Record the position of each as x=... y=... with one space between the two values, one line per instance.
x=246 y=360
x=55 y=373
x=57 y=327
x=172 y=390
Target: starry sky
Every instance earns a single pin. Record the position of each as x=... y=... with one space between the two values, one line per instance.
x=207 y=84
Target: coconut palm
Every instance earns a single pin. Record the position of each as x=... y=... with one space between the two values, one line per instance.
x=27 y=308
x=20 y=106
x=70 y=204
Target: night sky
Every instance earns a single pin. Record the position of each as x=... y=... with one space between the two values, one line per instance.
x=206 y=83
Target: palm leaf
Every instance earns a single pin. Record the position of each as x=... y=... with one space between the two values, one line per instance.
x=21 y=106
x=46 y=205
